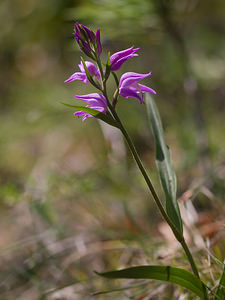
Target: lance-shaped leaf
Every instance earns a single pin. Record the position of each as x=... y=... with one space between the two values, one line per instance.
x=116 y=79
x=107 y=118
x=164 y=273
x=220 y=293
x=108 y=67
x=166 y=171
x=88 y=75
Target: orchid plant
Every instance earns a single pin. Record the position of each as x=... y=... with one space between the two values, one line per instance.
x=101 y=107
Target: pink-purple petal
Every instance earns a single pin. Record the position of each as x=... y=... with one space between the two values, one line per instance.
x=117 y=64
x=82 y=75
x=82 y=113
x=147 y=89
x=77 y=76
x=118 y=55
x=94 y=99
x=79 y=113
x=99 y=108
x=130 y=78
x=127 y=92
x=91 y=68
x=96 y=96
x=129 y=86
x=118 y=58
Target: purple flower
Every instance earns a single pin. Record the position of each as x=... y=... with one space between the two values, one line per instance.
x=129 y=86
x=95 y=101
x=87 y=40
x=118 y=58
x=82 y=75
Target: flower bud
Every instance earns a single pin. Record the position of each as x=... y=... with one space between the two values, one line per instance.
x=87 y=40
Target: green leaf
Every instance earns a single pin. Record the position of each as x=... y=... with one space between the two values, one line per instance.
x=116 y=79
x=221 y=288
x=166 y=171
x=108 y=67
x=95 y=113
x=165 y=273
x=88 y=74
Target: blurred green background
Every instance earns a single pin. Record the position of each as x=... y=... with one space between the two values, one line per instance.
x=72 y=200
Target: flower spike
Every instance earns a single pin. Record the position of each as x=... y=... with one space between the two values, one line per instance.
x=128 y=86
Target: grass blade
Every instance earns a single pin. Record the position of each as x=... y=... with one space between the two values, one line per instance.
x=221 y=288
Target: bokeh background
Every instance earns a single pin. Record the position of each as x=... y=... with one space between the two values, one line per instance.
x=72 y=200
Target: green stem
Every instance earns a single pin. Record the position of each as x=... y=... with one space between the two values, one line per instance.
x=144 y=173
x=177 y=234
x=190 y=257
x=133 y=150
x=115 y=77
